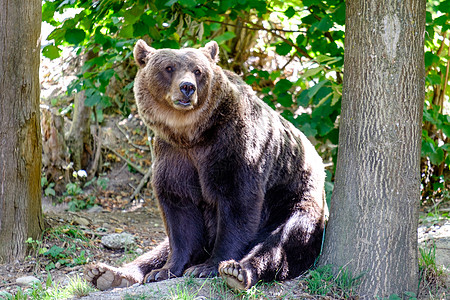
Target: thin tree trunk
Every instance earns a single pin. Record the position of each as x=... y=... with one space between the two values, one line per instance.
x=374 y=208
x=79 y=139
x=20 y=137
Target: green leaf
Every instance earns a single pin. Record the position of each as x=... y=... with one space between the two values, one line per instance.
x=311 y=72
x=128 y=86
x=140 y=29
x=148 y=19
x=430 y=59
x=436 y=157
x=303 y=99
x=290 y=12
x=282 y=86
x=93 y=98
x=312 y=91
x=74 y=36
x=339 y=14
x=325 y=24
x=171 y=2
x=444 y=6
x=188 y=3
x=308 y=130
x=325 y=126
x=285 y=99
x=434 y=79
x=225 y=37
x=54 y=251
x=283 y=48
x=105 y=76
x=126 y=31
x=51 y=52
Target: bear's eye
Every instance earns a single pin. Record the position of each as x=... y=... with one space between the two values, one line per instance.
x=169 y=69
x=197 y=72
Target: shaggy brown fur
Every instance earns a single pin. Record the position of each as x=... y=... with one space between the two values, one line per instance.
x=240 y=189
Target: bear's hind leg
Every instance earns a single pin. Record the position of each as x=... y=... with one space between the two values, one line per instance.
x=106 y=277
x=283 y=254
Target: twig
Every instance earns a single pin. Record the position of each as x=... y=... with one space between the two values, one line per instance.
x=149 y=172
x=98 y=151
x=129 y=139
x=141 y=184
x=132 y=164
x=272 y=31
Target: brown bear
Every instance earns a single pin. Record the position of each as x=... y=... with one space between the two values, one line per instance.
x=240 y=189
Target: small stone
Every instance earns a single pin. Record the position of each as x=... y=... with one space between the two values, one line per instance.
x=81 y=221
x=118 y=241
x=139 y=251
x=26 y=280
x=95 y=209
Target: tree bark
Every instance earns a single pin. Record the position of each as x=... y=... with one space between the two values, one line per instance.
x=374 y=208
x=20 y=137
x=79 y=138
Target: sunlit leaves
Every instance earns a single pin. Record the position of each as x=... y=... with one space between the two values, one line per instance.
x=51 y=51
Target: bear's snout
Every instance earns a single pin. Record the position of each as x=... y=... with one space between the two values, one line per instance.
x=187 y=88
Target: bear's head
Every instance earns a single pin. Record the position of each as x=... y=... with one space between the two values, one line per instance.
x=176 y=79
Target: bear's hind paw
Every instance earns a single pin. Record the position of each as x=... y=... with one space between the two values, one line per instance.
x=236 y=277
x=105 y=277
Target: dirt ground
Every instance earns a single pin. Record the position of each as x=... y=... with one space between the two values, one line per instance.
x=143 y=223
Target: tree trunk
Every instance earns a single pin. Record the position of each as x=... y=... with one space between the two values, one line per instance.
x=79 y=139
x=20 y=138
x=374 y=208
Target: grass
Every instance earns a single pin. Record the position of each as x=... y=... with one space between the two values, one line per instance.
x=77 y=287
x=190 y=288
x=322 y=282
x=432 y=276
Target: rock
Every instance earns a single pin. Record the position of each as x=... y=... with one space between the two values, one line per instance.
x=139 y=251
x=81 y=221
x=443 y=251
x=118 y=240
x=95 y=209
x=27 y=280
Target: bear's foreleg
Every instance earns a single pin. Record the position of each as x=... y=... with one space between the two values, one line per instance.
x=185 y=228
x=238 y=199
x=105 y=277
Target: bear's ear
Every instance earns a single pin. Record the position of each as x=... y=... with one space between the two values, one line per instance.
x=211 y=50
x=141 y=52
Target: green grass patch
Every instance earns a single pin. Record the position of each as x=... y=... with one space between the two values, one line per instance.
x=77 y=287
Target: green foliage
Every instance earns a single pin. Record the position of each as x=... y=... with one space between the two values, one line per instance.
x=71 y=253
x=436 y=120
x=77 y=287
x=291 y=52
x=78 y=199
x=48 y=187
x=430 y=272
x=322 y=281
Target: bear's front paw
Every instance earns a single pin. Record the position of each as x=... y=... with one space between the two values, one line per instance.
x=202 y=271
x=158 y=275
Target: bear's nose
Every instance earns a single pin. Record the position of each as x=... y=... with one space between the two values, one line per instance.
x=187 y=88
